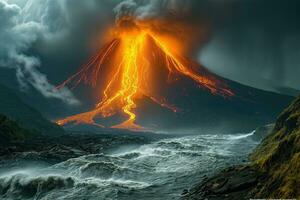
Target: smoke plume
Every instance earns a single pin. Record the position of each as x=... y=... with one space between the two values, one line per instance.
x=17 y=36
x=149 y=9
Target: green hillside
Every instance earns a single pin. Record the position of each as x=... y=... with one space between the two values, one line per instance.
x=28 y=117
x=279 y=156
x=274 y=170
x=11 y=131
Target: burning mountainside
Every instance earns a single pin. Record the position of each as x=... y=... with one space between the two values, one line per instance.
x=128 y=64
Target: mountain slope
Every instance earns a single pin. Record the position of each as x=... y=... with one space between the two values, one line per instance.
x=28 y=117
x=11 y=131
x=199 y=111
x=198 y=108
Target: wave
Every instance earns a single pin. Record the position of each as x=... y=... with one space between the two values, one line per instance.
x=160 y=170
x=107 y=170
x=241 y=136
x=131 y=155
x=24 y=186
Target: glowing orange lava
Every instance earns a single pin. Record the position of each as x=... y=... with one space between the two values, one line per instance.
x=130 y=57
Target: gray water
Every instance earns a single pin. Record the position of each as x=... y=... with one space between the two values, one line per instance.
x=160 y=170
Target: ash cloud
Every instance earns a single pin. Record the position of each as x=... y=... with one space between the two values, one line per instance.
x=251 y=41
x=150 y=9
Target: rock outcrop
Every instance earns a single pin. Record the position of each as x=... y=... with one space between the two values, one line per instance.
x=55 y=149
x=274 y=170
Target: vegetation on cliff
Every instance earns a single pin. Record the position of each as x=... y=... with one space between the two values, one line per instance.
x=28 y=117
x=11 y=131
x=274 y=170
x=279 y=156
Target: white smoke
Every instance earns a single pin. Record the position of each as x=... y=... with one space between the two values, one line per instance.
x=18 y=33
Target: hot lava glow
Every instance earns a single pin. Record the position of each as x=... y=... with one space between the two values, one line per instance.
x=128 y=62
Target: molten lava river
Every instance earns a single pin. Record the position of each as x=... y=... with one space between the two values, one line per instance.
x=128 y=64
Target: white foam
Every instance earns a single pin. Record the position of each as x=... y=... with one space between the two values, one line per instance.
x=241 y=136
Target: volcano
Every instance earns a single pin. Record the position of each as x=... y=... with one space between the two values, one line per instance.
x=147 y=83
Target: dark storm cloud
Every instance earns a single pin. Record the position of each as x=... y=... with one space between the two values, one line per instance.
x=256 y=42
x=30 y=31
x=17 y=35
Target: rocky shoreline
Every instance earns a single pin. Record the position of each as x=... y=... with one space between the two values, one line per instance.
x=234 y=183
x=274 y=170
x=60 y=148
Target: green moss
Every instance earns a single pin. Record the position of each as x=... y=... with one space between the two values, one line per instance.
x=11 y=131
x=279 y=156
x=28 y=117
x=290 y=174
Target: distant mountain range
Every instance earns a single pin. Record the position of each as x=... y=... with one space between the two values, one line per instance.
x=25 y=115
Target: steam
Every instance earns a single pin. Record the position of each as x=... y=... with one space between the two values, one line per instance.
x=17 y=36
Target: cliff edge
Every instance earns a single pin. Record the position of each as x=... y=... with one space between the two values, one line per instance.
x=273 y=171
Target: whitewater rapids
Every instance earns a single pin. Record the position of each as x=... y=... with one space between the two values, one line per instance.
x=159 y=170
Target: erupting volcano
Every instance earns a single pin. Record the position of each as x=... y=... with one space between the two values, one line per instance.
x=127 y=66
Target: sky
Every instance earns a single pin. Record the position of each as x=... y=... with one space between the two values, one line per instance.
x=42 y=42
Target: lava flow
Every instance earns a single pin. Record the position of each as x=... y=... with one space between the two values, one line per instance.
x=128 y=64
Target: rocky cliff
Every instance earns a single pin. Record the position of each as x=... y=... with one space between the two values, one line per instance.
x=274 y=170
x=279 y=156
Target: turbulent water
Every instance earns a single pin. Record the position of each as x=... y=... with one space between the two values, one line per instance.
x=159 y=170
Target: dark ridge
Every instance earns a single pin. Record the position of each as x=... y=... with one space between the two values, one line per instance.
x=28 y=117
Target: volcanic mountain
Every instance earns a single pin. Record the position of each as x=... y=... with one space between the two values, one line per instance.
x=199 y=110
x=147 y=82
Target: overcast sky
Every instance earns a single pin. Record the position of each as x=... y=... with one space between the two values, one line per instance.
x=42 y=42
